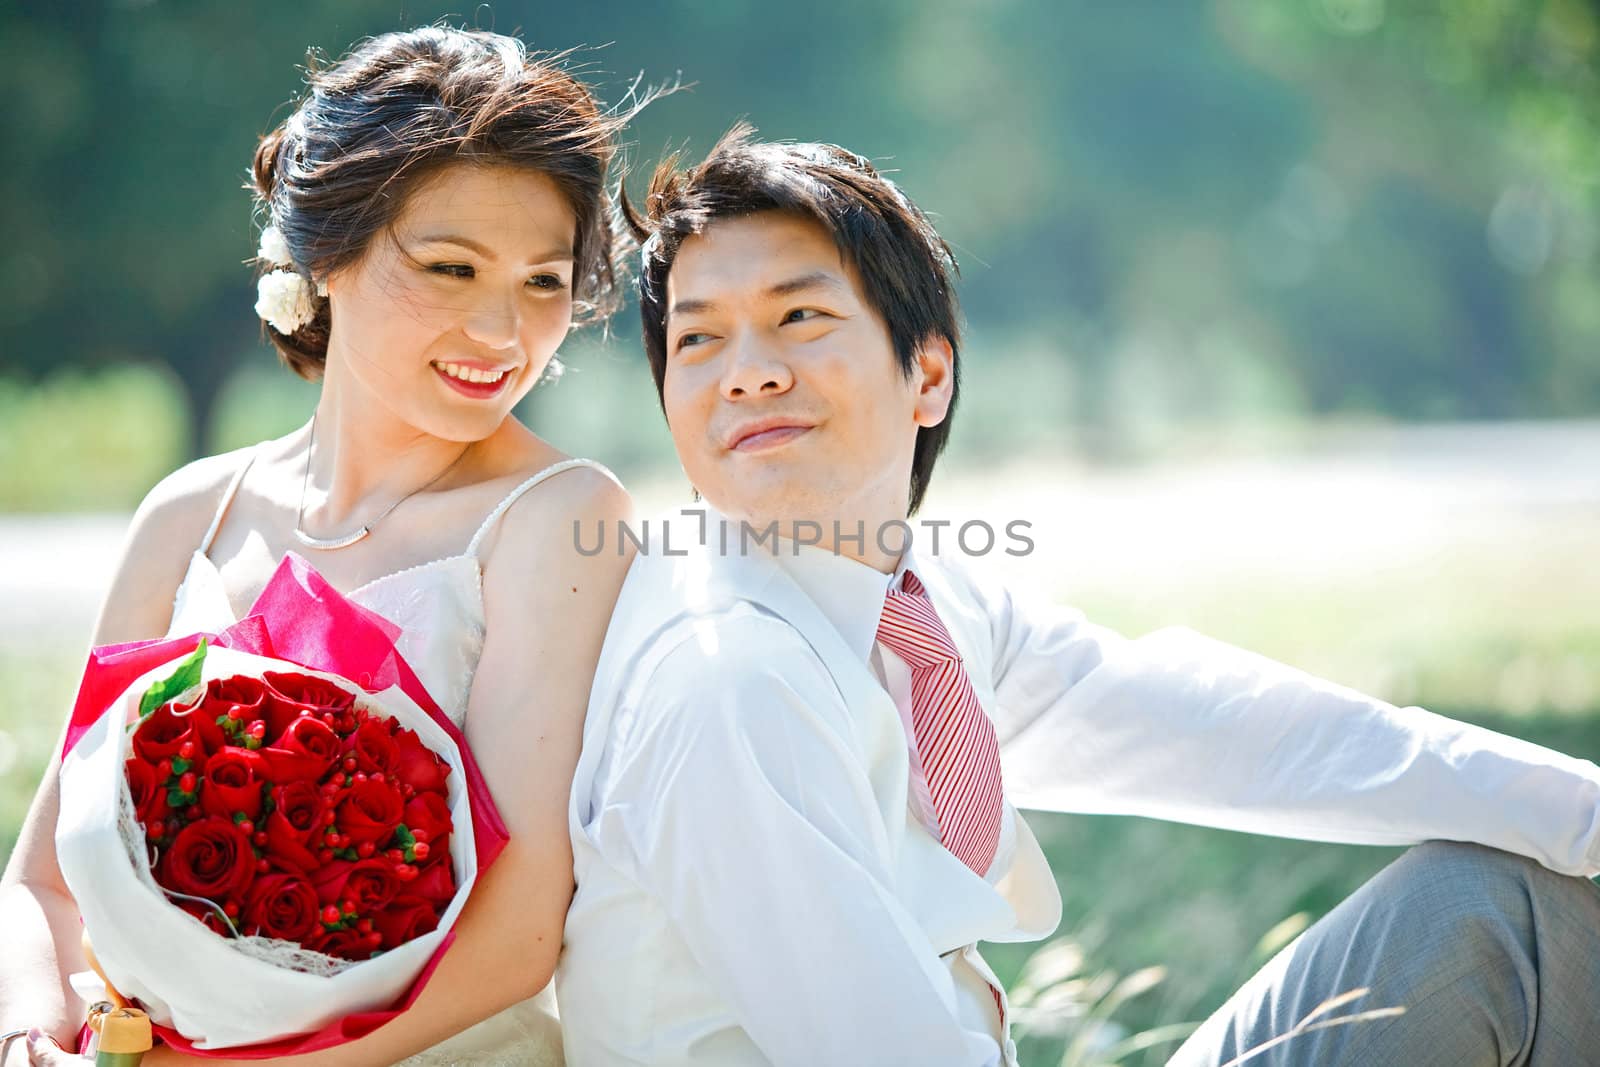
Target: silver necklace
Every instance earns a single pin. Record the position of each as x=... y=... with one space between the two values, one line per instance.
x=328 y=544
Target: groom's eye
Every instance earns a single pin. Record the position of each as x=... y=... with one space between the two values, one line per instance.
x=451 y=270
x=800 y=315
x=693 y=339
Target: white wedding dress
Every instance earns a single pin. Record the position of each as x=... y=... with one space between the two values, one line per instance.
x=439 y=608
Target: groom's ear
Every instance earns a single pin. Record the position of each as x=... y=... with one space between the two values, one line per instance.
x=934 y=377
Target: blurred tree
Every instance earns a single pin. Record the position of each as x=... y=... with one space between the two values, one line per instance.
x=1334 y=204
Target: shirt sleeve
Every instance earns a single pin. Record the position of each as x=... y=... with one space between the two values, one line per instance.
x=750 y=815
x=1181 y=727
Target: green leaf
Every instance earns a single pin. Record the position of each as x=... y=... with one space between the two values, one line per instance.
x=179 y=765
x=180 y=681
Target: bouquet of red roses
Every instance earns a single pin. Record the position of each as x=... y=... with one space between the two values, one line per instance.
x=281 y=806
x=276 y=817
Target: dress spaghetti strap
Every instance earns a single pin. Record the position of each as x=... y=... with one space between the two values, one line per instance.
x=515 y=494
x=227 y=501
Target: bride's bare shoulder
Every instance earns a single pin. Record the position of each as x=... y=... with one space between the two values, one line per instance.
x=168 y=526
x=185 y=500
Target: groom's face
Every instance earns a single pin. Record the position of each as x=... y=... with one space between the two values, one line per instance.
x=781 y=387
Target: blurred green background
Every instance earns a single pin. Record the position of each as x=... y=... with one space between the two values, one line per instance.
x=1283 y=325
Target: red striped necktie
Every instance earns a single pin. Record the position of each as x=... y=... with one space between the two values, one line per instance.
x=955 y=739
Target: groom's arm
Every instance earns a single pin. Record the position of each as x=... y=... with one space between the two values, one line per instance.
x=1177 y=726
x=752 y=820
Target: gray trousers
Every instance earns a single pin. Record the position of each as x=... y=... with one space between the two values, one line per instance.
x=1495 y=959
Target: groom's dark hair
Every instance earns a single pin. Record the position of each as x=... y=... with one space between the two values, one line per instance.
x=907 y=271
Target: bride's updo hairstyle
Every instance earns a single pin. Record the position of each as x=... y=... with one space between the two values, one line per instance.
x=396 y=110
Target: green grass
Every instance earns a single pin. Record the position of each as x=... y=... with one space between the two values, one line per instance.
x=1139 y=893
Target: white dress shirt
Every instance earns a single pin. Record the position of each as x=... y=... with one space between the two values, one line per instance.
x=757 y=879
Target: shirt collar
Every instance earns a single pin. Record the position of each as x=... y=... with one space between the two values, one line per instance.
x=849 y=593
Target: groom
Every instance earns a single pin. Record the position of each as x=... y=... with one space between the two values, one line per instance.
x=795 y=814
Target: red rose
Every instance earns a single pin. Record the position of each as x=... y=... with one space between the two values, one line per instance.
x=280 y=905
x=163 y=732
x=241 y=691
x=370 y=883
x=210 y=858
x=419 y=767
x=295 y=827
x=232 y=783
x=370 y=811
x=288 y=695
x=406 y=918
x=148 y=793
x=436 y=884
x=305 y=751
x=373 y=748
x=346 y=944
x=430 y=813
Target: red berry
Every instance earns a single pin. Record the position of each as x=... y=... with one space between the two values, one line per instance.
x=260 y=838
x=164 y=770
x=396 y=855
x=172 y=826
x=348 y=906
x=366 y=849
x=186 y=750
x=153 y=832
x=405 y=872
x=377 y=776
x=187 y=782
x=236 y=713
x=230 y=908
x=330 y=915
x=327 y=818
x=421 y=836
x=328 y=717
x=258 y=730
x=262 y=866
x=325 y=855
x=361 y=776
x=364 y=926
x=420 y=850
x=248 y=827
x=374 y=939
x=192 y=812
x=349 y=764
x=303 y=713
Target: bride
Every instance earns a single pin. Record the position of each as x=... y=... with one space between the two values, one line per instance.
x=436 y=221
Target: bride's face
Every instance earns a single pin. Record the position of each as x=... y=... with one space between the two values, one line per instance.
x=451 y=316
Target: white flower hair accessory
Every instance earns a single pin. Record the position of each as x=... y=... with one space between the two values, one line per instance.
x=283 y=299
x=283 y=296
x=273 y=248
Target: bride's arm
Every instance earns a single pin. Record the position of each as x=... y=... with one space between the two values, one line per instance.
x=546 y=610
x=39 y=925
